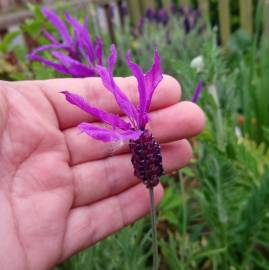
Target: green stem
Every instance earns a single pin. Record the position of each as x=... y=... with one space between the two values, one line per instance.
x=154 y=229
x=184 y=220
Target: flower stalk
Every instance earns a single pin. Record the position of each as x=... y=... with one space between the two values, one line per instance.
x=154 y=229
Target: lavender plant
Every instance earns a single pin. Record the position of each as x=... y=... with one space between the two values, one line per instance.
x=74 y=53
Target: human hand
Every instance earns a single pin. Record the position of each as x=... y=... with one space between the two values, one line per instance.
x=61 y=191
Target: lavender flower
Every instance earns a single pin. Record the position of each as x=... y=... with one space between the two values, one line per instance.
x=123 y=8
x=197 y=92
x=158 y=16
x=162 y=16
x=150 y=14
x=145 y=150
x=190 y=17
x=75 y=55
x=174 y=9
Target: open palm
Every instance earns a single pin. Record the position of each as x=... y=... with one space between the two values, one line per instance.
x=61 y=191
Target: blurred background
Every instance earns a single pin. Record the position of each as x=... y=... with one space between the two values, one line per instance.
x=215 y=212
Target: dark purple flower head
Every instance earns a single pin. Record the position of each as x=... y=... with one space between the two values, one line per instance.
x=162 y=16
x=147 y=159
x=138 y=116
x=74 y=54
x=150 y=14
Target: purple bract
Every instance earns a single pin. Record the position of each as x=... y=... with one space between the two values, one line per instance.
x=75 y=54
x=138 y=116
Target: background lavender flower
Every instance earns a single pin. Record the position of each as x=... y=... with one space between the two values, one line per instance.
x=162 y=16
x=75 y=54
x=197 y=92
x=149 y=14
x=174 y=9
x=158 y=16
x=190 y=17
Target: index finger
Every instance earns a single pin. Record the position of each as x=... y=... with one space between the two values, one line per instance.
x=167 y=93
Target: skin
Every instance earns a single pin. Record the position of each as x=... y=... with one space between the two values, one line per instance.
x=62 y=191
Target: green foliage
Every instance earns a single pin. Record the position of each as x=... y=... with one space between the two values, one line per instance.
x=128 y=250
x=251 y=60
x=254 y=220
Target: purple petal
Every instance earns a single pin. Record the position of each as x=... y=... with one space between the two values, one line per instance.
x=74 y=67
x=50 y=37
x=48 y=47
x=58 y=24
x=82 y=37
x=106 y=135
x=138 y=73
x=112 y=58
x=58 y=67
x=99 y=50
x=197 y=92
x=122 y=100
x=67 y=64
x=109 y=118
x=147 y=83
x=34 y=54
x=108 y=81
x=153 y=78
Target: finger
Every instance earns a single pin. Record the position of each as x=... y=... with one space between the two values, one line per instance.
x=89 y=224
x=176 y=122
x=168 y=92
x=97 y=180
